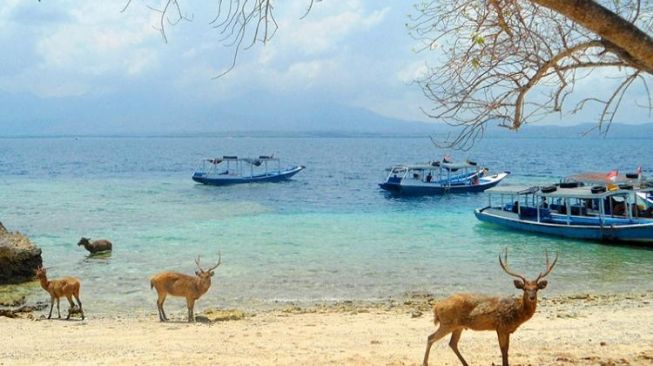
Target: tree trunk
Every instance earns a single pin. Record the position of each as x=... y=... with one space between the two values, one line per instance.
x=620 y=35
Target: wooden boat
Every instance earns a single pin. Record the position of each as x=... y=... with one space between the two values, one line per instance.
x=579 y=212
x=234 y=170
x=440 y=177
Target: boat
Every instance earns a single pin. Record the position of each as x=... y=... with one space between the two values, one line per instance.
x=234 y=170
x=600 y=179
x=440 y=177
x=615 y=215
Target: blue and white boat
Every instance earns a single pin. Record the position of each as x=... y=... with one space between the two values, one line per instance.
x=440 y=177
x=234 y=170
x=591 y=213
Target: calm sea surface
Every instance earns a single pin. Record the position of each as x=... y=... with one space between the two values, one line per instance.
x=328 y=234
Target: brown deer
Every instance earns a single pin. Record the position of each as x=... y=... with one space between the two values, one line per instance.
x=179 y=284
x=67 y=286
x=95 y=246
x=477 y=312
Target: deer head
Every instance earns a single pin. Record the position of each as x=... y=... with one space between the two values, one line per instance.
x=530 y=288
x=40 y=272
x=208 y=273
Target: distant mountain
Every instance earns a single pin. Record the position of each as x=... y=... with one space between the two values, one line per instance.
x=159 y=114
x=27 y=115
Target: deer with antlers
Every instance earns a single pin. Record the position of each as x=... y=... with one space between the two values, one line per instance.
x=67 y=286
x=478 y=312
x=179 y=284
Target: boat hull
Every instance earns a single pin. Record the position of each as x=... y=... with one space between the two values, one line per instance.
x=261 y=178
x=636 y=233
x=438 y=189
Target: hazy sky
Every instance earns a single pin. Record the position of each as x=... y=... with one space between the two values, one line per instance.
x=84 y=64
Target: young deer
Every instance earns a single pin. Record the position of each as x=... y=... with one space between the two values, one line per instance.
x=179 y=284
x=67 y=286
x=477 y=312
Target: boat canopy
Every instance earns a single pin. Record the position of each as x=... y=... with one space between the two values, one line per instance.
x=602 y=178
x=449 y=166
x=456 y=166
x=583 y=193
x=578 y=192
x=513 y=190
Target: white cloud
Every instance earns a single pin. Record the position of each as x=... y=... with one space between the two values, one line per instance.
x=87 y=45
x=327 y=26
x=412 y=71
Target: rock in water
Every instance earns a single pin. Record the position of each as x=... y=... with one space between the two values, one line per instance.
x=18 y=257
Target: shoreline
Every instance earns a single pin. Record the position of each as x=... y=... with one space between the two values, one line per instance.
x=582 y=329
x=410 y=303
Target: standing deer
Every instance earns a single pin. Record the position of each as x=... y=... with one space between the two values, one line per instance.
x=477 y=312
x=67 y=286
x=179 y=284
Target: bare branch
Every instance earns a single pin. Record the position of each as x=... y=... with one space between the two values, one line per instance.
x=510 y=78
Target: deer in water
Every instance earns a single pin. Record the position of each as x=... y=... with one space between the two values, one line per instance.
x=67 y=286
x=95 y=246
x=179 y=284
x=478 y=312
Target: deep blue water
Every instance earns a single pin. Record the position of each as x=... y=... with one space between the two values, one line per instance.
x=330 y=233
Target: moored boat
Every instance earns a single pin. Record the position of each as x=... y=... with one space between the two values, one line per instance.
x=234 y=170
x=579 y=212
x=440 y=177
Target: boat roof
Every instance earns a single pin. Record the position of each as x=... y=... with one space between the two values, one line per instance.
x=426 y=166
x=578 y=192
x=603 y=178
x=457 y=165
x=523 y=189
x=249 y=160
x=582 y=193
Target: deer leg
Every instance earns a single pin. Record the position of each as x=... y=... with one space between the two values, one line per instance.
x=453 y=343
x=159 y=306
x=72 y=305
x=504 y=343
x=51 y=306
x=80 y=305
x=58 y=311
x=191 y=304
x=441 y=332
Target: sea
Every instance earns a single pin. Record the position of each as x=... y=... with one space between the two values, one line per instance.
x=329 y=234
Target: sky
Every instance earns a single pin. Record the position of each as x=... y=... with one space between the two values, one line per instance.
x=85 y=67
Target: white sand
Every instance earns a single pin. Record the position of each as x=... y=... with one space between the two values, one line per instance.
x=615 y=330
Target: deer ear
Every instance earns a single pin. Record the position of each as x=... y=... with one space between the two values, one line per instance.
x=519 y=284
x=212 y=273
x=542 y=284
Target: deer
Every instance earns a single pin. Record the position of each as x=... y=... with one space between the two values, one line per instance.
x=479 y=312
x=95 y=246
x=67 y=286
x=179 y=284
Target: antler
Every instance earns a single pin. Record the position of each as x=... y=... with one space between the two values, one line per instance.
x=219 y=262
x=505 y=266
x=197 y=261
x=548 y=267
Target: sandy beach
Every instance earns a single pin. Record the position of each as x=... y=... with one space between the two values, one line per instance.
x=571 y=330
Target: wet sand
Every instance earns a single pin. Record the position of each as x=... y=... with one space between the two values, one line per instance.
x=570 y=330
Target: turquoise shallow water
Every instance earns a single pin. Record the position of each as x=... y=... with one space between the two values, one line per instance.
x=329 y=234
